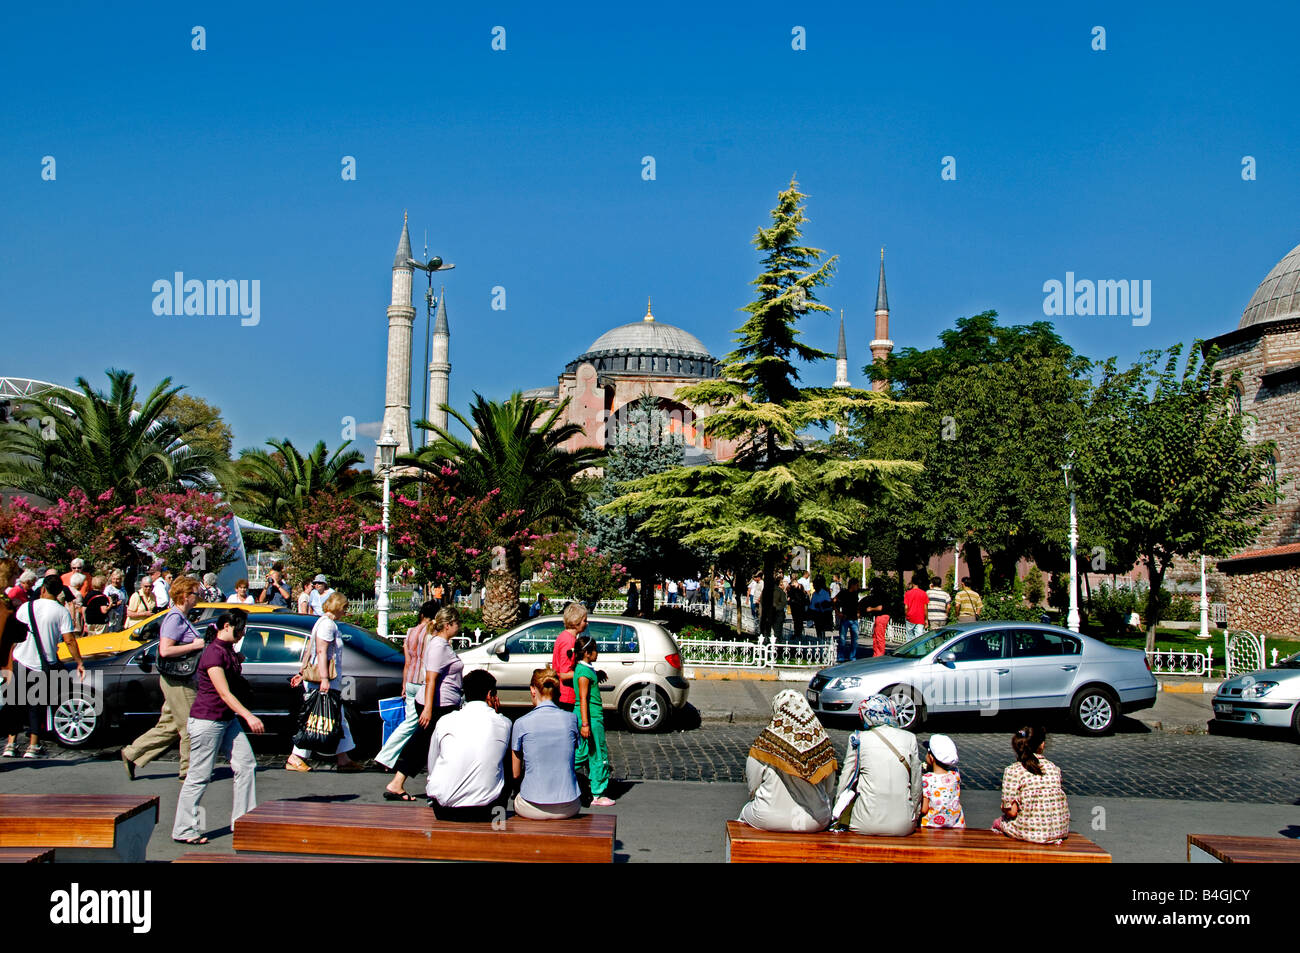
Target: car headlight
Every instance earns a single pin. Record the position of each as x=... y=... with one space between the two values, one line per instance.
x=845 y=681
x=1258 y=690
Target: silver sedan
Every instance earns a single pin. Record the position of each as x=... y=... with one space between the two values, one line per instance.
x=991 y=667
x=1269 y=697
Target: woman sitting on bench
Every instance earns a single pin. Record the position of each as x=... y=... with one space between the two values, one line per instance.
x=790 y=770
x=880 y=788
x=1034 y=807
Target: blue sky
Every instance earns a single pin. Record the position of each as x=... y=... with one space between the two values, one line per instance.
x=525 y=167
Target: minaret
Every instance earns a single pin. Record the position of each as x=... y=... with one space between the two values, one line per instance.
x=841 y=359
x=439 y=365
x=401 y=318
x=881 y=345
x=841 y=365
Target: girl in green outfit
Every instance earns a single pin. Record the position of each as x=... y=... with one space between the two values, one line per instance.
x=592 y=750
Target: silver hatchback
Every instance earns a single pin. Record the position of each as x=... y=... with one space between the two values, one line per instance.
x=995 y=666
x=639 y=658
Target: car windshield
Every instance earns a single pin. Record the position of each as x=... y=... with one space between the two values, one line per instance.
x=359 y=640
x=924 y=644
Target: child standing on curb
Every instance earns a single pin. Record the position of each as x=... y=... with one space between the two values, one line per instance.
x=941 y=786
x=592 y=750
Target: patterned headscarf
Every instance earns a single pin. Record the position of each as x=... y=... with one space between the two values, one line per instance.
x=795 y=741
x=877 y=710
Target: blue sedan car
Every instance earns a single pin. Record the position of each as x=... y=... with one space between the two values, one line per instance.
x=992 y=667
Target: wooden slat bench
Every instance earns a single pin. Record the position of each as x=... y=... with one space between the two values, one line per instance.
x=207 y=857
x=404 y=831
x=1227 y=849
x=26 y=855
x=104 y=828
x=748 y=845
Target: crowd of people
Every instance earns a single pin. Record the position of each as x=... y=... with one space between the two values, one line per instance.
x=885 y=787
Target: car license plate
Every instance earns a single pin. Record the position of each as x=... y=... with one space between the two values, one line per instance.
x=814 y=697
x=1222 y=708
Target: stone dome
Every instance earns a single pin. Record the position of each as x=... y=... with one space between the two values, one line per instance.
x=652 y=337
x=649 y=347
x=1278 y=295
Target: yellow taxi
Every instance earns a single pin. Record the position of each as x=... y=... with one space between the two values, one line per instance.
x=146 y=630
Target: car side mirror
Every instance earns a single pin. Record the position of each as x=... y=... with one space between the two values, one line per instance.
x=500 y=651
x=947 y=658
x=145 y=659
x=139 y=635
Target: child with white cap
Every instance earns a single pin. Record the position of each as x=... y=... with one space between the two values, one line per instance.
x=941 y=786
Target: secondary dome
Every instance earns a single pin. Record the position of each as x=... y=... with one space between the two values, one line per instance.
x=1278 y=295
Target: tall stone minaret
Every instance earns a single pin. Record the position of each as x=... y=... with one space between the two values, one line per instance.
x=841 y=359
x=881 y=345
x=841 y=365
x=401 y=318
x=439 y=365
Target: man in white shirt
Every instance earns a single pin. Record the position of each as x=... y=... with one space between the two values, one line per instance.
x=161 y=594
x=320 y=592
x=467 y=755
x=49 y=622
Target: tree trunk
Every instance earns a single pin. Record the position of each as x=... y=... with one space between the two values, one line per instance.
x=765 y=603
x=501 y=608
x=1156 y=581
x=973 y=563
x=648 y=581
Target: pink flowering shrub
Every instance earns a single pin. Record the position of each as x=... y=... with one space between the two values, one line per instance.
x=581 y=572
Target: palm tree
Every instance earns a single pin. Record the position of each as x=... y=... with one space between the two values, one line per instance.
x=518 y=449
x=274 y=485
x=94 y=442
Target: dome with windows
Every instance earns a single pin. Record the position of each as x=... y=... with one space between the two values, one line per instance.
x=1278 y=295
x=649 y=347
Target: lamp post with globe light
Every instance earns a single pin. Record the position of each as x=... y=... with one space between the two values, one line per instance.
x=387 y=445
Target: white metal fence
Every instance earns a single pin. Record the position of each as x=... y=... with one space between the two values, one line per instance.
x=766 y=652
x=1191 y=664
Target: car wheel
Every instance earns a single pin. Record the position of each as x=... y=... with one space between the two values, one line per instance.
x=644 y=709
x=76 y=722
x=1295 y=723
x=908 y=702
x=1095 y=711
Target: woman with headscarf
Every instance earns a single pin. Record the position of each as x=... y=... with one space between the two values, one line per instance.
x=880 y=788
x=790 y=770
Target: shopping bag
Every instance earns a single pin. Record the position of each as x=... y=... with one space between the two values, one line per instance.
x=321 y=727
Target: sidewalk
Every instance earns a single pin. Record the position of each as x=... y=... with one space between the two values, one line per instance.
x=658 y=821
x=742 y=697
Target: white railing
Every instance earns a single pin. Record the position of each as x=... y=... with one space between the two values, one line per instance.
x=1219 y=615
x=765 y=653
x=1191 y=664
x=712 y=652
x=896 y=633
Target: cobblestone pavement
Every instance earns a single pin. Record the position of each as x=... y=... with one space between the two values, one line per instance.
x=1133 y=764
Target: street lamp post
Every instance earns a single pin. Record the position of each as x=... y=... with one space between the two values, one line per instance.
x=387 y=445
x=1072 y=620
x=1205 y=606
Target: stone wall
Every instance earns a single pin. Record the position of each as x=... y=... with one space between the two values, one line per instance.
x=1265 y=602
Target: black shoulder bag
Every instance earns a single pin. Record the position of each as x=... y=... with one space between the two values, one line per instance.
x=183 y=667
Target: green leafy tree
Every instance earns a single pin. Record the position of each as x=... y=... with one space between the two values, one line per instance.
x=519 y=452
x=1166 y=464
x=999 y=405
x=203 y=422
x=778 y=492
x=96 y=442
x=643 y=447
x=275 y=486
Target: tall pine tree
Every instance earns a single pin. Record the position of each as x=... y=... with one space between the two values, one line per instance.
x=778 y=492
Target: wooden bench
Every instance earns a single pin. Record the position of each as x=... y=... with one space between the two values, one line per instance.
x=26 y=855
x=410 y=832
x=1226 y=849
x=748 y=845
x=86 y=828
x=208 y=857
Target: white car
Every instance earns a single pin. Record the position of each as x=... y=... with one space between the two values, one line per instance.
x=640 y=660
x=1269 y=697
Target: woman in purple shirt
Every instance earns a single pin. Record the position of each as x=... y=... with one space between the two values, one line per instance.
x=442 y=689
x=214 y=728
